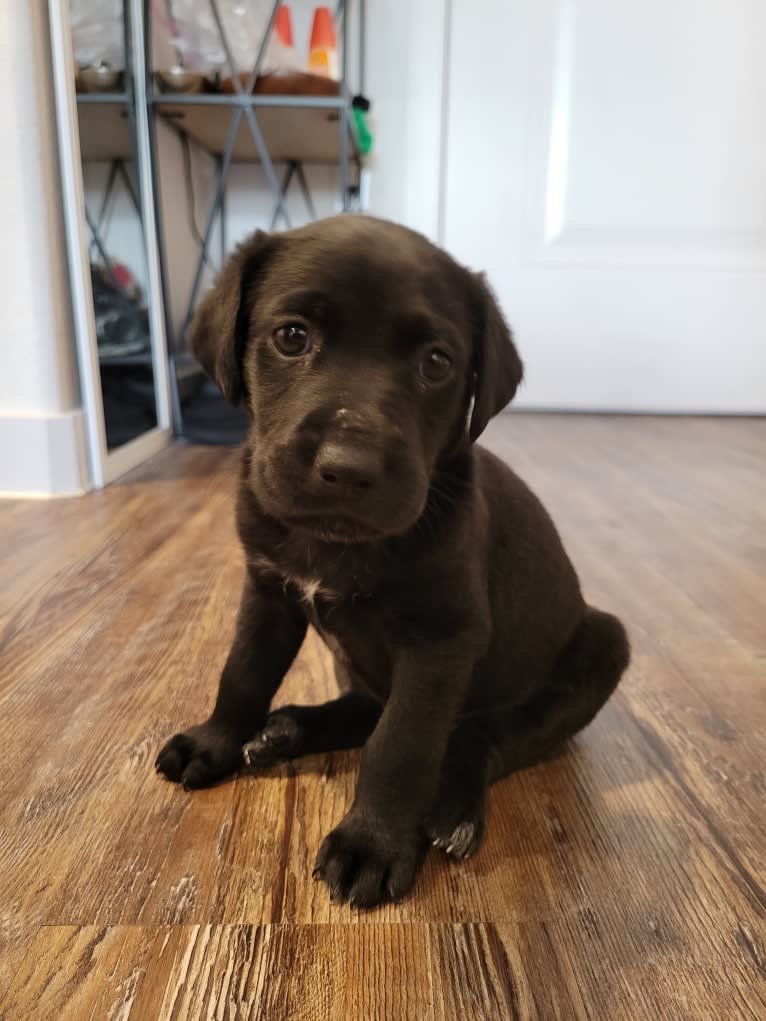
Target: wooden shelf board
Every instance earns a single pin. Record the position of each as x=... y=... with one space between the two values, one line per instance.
x=104 y=132
x=305 y=134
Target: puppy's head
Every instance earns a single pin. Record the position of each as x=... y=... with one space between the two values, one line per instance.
x=358 y=348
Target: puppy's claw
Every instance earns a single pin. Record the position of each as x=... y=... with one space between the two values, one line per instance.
x=393 y=895
x=462 y=841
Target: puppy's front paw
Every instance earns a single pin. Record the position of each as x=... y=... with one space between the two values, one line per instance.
x=200 y=756
x=280 y=739
x=366 y=863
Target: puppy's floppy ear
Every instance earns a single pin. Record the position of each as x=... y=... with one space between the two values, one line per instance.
x=497 y=367
x=218 y=334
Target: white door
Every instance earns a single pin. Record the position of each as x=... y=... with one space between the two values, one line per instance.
x=606 y=165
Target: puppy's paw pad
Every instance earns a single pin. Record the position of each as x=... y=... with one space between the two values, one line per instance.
x=365 y=867
x=173 y=757
x=199 y=757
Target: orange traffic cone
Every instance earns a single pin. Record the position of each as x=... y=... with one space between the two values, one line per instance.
x=323 y=51
x=283 y=26
x=280 y=56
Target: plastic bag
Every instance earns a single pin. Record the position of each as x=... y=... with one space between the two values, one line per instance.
x=196 y=41
x=97 y=33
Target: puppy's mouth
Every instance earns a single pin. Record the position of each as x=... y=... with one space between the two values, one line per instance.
x=389 y=513
x=336 y=528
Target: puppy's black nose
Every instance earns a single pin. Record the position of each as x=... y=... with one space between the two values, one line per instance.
x=346 y=467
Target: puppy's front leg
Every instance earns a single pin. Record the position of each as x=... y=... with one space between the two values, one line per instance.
x=270 y=629
x=374 y=854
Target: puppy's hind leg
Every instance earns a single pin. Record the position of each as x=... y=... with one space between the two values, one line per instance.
x=296 y=730
x=484 y=749
x=585 y=675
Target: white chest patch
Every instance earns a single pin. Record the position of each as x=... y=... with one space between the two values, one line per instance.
x=309 y=587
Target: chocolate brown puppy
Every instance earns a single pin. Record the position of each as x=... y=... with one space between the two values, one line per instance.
x=370 y=362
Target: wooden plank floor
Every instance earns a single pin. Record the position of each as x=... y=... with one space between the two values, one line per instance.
x=623 y=880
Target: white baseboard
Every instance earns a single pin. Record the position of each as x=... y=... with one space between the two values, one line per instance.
x=43 y=455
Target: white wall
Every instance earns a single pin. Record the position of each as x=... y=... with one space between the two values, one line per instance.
x=41 y=448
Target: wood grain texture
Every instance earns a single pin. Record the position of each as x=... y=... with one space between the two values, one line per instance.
x=624 y=879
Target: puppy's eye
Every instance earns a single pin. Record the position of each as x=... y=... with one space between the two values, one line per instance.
x=436 y=365
x=292 y=340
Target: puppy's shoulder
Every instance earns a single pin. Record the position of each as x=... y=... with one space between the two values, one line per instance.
x=493 y=476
